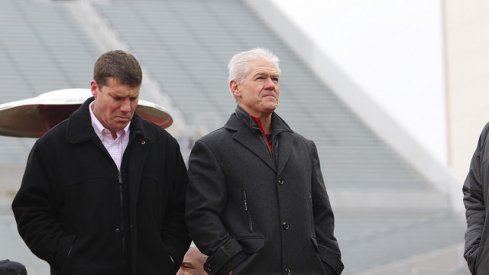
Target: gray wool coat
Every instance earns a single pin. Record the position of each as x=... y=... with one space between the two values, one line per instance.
x=476 y=192
x=254 y=213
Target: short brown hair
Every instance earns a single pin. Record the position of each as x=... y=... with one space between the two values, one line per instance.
x=120 y=65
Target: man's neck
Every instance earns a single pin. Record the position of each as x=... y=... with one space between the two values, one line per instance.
x=265 y=119
x=265 y=123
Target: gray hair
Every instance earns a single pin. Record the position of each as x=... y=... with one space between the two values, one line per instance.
x=239 y=66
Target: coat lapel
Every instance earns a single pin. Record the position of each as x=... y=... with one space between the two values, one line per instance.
x=140 y=147
x=283 y=142
x=246 y=138
x=284 y=150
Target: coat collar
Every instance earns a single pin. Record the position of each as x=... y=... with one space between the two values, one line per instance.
x=278 y=124
x=80 y=127
x=248 y=134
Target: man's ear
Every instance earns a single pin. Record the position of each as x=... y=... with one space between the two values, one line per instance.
x=233 y=87
x=94 y=88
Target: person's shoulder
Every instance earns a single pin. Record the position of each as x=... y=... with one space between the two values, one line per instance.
x=53 y=140
x=297 y=136
x=484 y=136
x=485 y=130
x=214 y=137
x=56 y=133
x=153 y=131
x=215 y=133
x=300 y=139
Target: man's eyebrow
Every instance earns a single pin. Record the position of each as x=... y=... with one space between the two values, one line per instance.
x=187 y=263
x=267 y=74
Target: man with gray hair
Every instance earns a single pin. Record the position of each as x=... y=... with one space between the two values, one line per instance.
x=256 y=201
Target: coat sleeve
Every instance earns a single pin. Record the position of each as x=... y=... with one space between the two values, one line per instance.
x=206 y=199
x=323 y=216
x=474 y=202
x=174 y=232
x=36 y=210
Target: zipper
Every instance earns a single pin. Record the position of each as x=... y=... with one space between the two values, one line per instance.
x=121 y=215
x=246 y=210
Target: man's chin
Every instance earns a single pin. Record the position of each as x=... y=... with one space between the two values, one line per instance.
x=122 y=121
x=120 y=125
x=270 y=107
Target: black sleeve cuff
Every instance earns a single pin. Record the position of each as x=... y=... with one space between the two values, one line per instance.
x=233 y=262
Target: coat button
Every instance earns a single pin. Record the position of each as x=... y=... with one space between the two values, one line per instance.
x=285 y=225
x=143 y=142
x=280 y=182
x=117 y=230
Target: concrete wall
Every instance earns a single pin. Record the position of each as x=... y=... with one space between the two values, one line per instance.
x=10 y=179
x=467 y=59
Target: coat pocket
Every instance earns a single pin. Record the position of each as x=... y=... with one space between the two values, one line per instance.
x=328 y=256
x=63 y=252
x=247 y=210
x=251 y=243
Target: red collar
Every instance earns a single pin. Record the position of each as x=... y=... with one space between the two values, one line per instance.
x=268 y=141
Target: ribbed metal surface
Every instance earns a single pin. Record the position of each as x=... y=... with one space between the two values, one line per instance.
x=42 y=48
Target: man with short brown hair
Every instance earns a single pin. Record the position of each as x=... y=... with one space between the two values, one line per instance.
x=103 y=191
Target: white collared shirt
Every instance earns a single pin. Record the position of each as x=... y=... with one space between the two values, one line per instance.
x=115 y=147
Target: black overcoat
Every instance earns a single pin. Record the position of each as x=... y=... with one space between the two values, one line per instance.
x=76 y=211
x=476 y=198
x=254 y=213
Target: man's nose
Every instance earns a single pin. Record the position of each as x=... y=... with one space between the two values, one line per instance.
x=126 y=105
x=269 y=84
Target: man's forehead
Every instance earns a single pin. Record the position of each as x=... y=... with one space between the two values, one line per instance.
x=265 y=70
x=122 y=91
x=264 y=66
